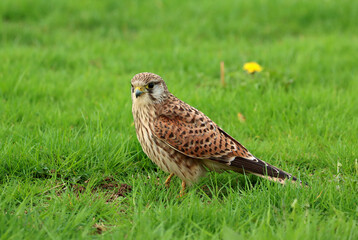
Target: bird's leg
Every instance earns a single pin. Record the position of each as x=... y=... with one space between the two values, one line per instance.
x=167 y=182
x=182 y=191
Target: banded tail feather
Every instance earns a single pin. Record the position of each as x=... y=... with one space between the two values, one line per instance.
x=262 y=169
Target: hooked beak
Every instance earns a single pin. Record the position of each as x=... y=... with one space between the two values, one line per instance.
x=139 y=91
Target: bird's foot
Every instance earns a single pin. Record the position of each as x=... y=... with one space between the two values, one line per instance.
x=182 y=191
x=167 y=182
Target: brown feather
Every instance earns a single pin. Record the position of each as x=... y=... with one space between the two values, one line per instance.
x=194 y=134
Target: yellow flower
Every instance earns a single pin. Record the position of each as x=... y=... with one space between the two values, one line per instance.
x=252 y=67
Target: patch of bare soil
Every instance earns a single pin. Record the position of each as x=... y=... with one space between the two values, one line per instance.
x=114 y=189
x=100 y=228
x=108 y=185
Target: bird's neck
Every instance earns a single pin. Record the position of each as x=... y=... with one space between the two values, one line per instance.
x=143 y=114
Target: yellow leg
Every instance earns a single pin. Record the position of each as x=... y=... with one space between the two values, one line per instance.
x=182 y=191
x=167 y=182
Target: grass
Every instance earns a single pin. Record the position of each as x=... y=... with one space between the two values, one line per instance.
x=66 y=124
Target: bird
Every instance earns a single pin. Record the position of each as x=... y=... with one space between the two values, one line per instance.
x=184 y=142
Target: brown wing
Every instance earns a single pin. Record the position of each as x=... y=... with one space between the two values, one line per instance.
x=190 y=132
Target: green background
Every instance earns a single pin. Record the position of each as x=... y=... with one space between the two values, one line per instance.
x=65 y=117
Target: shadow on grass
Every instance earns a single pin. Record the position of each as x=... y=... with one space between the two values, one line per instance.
x=221 y=185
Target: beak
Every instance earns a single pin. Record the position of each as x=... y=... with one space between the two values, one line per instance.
x=139 y=91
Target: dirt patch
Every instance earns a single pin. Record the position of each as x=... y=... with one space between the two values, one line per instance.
x=108 y=186
x=114 y=189
x=100 y=228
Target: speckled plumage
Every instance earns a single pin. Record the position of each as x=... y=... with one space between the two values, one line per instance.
x=182 y=140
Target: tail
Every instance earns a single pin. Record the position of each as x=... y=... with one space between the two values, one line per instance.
x=262 y=169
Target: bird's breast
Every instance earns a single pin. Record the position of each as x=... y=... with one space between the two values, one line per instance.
x=143 y=121
x=167 y=158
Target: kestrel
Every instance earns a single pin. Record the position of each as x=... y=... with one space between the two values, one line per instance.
x=183 y=141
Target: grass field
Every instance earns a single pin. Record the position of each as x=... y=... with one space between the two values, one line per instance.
x=72 y=168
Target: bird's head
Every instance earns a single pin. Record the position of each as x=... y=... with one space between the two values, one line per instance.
x=148 y=88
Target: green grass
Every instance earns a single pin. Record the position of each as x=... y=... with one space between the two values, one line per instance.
x=65 y=117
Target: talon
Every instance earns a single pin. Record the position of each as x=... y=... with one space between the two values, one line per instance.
x=182 y=191
x=167 y=182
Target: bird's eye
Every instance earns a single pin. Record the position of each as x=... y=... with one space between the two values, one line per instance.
x=150 y=85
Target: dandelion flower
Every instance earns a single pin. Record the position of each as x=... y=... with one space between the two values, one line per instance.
x=252 y=67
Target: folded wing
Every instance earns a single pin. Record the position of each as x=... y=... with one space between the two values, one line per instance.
x=190 y=132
